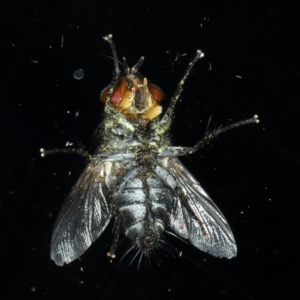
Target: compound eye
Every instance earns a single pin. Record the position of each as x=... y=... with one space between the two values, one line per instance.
x=156 y=92
x=116 y=96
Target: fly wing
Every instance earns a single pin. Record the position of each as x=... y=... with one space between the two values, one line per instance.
x=83 y=217
x=207 y=229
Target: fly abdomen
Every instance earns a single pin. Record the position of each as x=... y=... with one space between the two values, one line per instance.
x=143 y=211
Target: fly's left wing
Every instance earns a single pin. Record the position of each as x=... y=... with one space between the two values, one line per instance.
x=205 y=227
x=83 y=217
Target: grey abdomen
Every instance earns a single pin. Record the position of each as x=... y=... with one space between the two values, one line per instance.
x=143 y=206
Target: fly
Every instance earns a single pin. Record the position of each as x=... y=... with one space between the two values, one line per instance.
x=135 y=177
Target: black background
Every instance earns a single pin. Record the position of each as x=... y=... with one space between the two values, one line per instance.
x=250 y=67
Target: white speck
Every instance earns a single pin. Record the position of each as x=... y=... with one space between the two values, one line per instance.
x=176 y=57
x=81 y=269
x=183 y=54
x=33 y=289
x=180 y=253
x=77 y=114
x=210 y=68
x=35 y=61
x=68 y=111
x=13 y=45
x=270 y=199
x=201 y=25
x=50 y=47
x=238 y=76
x=78 y=74
x=70 y=173
x=62 y=41
x=242 y=212
x=69 y=144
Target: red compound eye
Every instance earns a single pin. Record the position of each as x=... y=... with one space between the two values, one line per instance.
x=115 y=97
x=156 y=92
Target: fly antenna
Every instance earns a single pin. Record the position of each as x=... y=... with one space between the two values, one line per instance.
x=125 y=65
x=135 y=68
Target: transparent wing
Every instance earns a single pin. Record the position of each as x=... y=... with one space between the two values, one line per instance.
x=83 y=217
x=208 y=229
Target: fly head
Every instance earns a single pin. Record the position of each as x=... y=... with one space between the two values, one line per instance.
x=133 y=96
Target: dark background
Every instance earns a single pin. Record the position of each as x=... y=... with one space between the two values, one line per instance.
x=250 y=67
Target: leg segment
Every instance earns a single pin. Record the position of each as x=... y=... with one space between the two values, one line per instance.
x=180 y=151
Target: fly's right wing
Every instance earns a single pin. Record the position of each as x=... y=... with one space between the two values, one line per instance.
x=196 y=216
x=83 y=216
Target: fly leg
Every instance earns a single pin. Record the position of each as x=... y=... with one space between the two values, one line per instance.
x=180 y=151
x=165 y=122
x=85 y=155
x=114 y=245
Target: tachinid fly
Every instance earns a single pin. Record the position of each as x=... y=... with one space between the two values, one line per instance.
x=135 y=177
